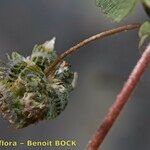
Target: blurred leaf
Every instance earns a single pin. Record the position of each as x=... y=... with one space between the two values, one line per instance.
x=144 y=32
x=116 y=9
x=146 y=4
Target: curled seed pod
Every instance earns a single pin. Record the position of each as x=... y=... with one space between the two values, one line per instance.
x=26 y=94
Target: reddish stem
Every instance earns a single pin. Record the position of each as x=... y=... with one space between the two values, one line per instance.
x=120 y=101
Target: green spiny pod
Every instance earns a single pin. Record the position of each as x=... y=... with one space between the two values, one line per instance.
x=26 y=94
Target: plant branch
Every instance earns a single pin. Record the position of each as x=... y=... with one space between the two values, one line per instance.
x=101 y=35
x=121 y=100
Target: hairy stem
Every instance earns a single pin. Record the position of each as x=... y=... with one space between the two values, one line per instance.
x=101 y=35
x=120 y=101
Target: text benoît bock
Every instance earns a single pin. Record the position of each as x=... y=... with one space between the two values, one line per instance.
x=31 y=143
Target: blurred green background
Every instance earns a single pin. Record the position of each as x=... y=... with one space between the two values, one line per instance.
x=103 y=67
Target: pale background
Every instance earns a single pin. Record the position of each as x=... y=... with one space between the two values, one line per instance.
x=103 y=68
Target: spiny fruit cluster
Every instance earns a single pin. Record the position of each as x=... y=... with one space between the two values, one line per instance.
x=26 y=94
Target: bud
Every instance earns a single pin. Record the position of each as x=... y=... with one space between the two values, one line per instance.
x=49 y=45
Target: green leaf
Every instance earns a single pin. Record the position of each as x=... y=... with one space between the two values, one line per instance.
x=144 y=32
x=146 y=4
x=116 y=9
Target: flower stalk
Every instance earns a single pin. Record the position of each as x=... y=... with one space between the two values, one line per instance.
x=75 y=48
